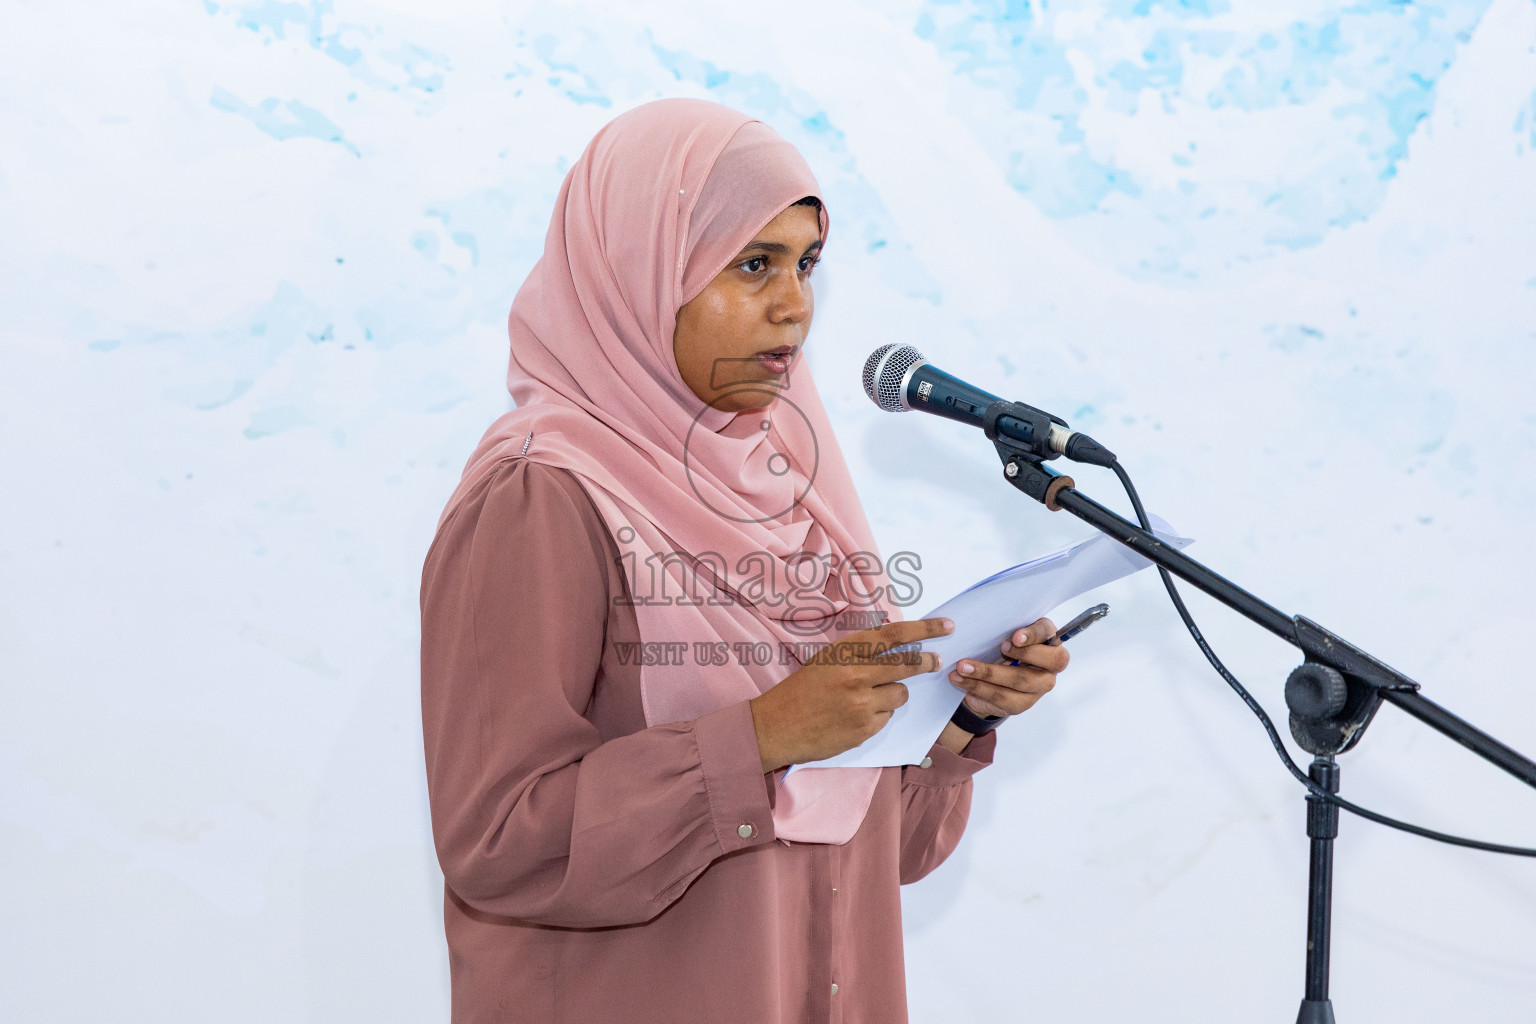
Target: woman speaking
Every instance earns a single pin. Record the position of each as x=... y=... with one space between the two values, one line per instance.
x=638 y=611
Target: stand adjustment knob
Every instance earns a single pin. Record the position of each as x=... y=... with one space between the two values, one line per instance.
x=1315 y=693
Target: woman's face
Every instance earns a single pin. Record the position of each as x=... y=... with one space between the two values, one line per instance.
x=737 y=338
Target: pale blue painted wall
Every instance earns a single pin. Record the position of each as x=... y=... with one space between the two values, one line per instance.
x=257 y=260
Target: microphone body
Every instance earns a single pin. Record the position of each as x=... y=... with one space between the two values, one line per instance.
x=898 y=378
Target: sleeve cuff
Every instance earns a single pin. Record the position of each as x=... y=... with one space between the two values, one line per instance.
x=949 y=768
x=733 y=777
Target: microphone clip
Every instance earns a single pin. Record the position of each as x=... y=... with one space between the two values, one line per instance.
x=1021 y=428
x=1021 y=434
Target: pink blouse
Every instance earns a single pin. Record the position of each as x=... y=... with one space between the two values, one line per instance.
x=597 y=870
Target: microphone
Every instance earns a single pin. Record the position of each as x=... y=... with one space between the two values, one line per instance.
x=898 y=378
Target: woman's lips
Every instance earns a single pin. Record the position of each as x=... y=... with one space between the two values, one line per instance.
x=777 y=360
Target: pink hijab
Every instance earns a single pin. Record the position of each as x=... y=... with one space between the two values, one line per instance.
x=747 y=519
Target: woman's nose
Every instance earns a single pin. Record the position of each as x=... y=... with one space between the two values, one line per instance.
x=791 y=300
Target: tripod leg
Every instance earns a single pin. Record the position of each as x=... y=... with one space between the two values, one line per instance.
x=1322 y=828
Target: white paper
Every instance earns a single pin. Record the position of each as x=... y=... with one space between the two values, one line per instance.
x=984 y=614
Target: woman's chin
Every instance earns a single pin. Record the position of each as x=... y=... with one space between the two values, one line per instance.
x=748 y=399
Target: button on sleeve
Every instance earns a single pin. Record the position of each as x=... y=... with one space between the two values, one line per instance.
x=733 y=776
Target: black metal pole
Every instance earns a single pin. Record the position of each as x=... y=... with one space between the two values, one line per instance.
x=1463 y=732
x=1331 y=698
x=1284 y=626
x=1322 y=829
x=1175 y=561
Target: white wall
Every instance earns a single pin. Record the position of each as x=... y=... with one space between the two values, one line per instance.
x=257 y=258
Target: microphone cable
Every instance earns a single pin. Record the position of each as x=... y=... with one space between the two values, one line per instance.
x=1269 y=726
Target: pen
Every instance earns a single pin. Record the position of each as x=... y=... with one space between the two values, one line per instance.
x=1071 y=629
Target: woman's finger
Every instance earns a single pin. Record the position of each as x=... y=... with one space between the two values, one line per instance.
x=1002 y=702
x=889 y=696
x=902 y=665
x=1011 y=700
x=895 y=634
x=1037 y=632
x=1024 y=678
x=1049 y=657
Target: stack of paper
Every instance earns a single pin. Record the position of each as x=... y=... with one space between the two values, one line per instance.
x=984 y=614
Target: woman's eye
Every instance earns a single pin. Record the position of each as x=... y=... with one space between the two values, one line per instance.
x=809 y=263
x=755 y=264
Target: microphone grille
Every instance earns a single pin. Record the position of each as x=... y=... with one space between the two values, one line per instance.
x=883 y=373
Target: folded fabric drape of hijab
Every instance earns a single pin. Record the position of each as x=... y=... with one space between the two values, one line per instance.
x=751 y=519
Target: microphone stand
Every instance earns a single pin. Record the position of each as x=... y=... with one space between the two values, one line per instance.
x=1332 y=696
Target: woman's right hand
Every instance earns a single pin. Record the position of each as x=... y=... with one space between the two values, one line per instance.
x=842 y=696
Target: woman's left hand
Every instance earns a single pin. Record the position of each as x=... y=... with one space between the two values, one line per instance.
x=993 y=689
